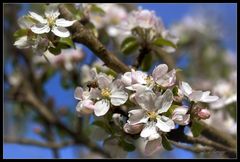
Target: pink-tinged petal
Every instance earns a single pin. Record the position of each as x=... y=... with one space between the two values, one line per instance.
x=60 y=31
x=165 y=124
x=104 y=82
x=159 y=71
x=95 y=93
x=185 y=88
x=88 y=104
x=181 y=119
x=138 y=77
x=64 y=23
x=118 y=97
x=38 y=17
x=168 y=79
x=204 y=114
x=146 y=99
x=164 y=102
x=78 y=93
x=149 y=129
x=127 y=78
x=101 y=107
x=137 y=116
x=133 y=129
x=153 y=146
x=40 y=28
x=195 y=96
x=83 y=110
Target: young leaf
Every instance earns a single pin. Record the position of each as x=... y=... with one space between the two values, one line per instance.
x=54 y=51
x=196 y=128
x=97 y=10
x=126 y=146
x=129 y=45
x=166 y=144
x=20 y=33
x=147 y=62
x=67 y=41
x=175 y=91
x=163 y=42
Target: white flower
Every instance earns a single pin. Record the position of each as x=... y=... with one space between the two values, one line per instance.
x=160 y=76
x=108 y=93
x=51 y=23
x=180 y=115
x=150 y=114
x=196 y=96
x=85 y=104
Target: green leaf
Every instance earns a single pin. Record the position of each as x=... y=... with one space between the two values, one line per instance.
x=147 y=62
x=96 y=9
x=163 y=42
x=126 y=146
x=20 y=33
x=68 y=41
x=196 y=128
x=166 y=144
x=103 y=125
x=54 y=51
x=170 y=110
x=129 y=45
x=175 y=91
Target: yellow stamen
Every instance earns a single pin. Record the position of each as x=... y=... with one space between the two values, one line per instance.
x=106 y=92
x=152 y=115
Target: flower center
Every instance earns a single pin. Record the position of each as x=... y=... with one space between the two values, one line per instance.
x=149 y=80
x=51 y=21
x=106 y=92
x=152 y=115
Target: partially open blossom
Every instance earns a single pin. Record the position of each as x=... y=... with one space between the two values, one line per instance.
x=51 y=22
x=133 y=129
x=180 y=115
x=85 y=104
x=196 y=96
x=204 y=114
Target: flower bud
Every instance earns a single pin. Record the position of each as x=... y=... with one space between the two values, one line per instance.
x=204 y=114
x=133 y=129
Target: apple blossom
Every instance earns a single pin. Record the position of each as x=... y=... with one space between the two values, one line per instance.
x=108 y=93
x=196 y=96
x=180 y=115
x=51 y=22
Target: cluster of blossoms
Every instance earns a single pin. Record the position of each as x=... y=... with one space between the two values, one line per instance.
x=159 y=107
x=38 y=29
x=147 y=27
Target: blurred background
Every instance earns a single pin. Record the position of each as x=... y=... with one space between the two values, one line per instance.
x=207 y=54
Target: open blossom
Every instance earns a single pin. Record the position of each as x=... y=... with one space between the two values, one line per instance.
x=196 y=96
x=160 y=76
x=108 y=93
x=51 y=22
x=150 y=114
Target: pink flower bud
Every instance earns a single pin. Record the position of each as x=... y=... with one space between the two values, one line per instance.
x=203 y=114
x=133 y=129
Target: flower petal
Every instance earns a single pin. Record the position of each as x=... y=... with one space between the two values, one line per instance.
x=64 y=23
x=118 y=97
x=22 y=42
x=137 y=116
x=168 y=79
x=153 y=146
x=38 y=17
x=82 y=110
x=165 y=124
x=149 y=129
x=40 y=28
x=159 y=71
x=185 y=88
x=60 y=31
x=52 y=11
x=101 y=107
x=25 y=22
x=78 y=93
x=127 y=78
x=138 y=77
x=196 y=96
x=207 y=98
x=103 y=82
x=133 y=129
x=145 y=99
x=163 y=102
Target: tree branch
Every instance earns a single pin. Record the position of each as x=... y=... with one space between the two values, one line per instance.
x=86 y=37
x=32 y=142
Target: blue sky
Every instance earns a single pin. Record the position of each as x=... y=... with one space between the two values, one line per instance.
x=170 y=13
